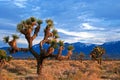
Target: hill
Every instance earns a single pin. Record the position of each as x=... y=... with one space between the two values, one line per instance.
x=112 y=49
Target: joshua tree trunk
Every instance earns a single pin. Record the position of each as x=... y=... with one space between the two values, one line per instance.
x=30 y=43
x=39 y=66
x=99 y=61
x=81 y=60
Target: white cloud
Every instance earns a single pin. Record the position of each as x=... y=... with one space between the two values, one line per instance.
x=36 y=8
x=87 y=26
x=76 y=34
x=20 y=3
x=94 y=37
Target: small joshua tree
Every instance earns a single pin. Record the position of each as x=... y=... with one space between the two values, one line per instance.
x=97 y=53
x=4 y=58
x=81 y=56
x=30 y=29
x=75 y=56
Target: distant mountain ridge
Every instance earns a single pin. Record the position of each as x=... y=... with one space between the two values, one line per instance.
x=112 y=49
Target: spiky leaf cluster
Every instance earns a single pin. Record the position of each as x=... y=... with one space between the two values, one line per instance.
x=53 y=43
x=6 y=39
x=15 y=36
x=61 y=43
x=99 y=50
x=9 y=58
x=26 y=24
x=49 y=22
x=39 y=21
x=70 y=47
x=33 y=19
x=55 y=33
x=4 y=56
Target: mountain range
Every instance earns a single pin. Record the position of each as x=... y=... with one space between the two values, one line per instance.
x=112 y=49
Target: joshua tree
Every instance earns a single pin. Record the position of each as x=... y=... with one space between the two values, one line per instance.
x=81 y=56
x=30 y=29
x=96 y=54
x=4 y=58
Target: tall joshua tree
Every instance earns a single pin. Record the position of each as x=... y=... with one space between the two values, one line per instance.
x=97 y=53
x=30 y=29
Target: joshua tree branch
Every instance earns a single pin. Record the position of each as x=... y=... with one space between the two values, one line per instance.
x=35 y=54
x=37 y=29
x=23 y=31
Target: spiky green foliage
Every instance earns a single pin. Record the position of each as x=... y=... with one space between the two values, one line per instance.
x=6 y=39
x=15 y=36
x=23 y=22
x=98 y=51
x=53 y=44
x=9 y=58
x=33 y=19
x=20 y=26
x=57 y=36
x=3 y=54
x=28 y=22
x=70 y=47
x=61 y=43
x=54 y=32
x=49 y=22
x=39 y=21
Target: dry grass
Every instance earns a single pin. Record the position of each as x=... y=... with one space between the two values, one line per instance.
x=61 y=70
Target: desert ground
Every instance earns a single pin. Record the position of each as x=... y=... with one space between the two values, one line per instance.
x=61 y=70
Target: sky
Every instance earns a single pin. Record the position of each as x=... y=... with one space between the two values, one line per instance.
x=86 y=21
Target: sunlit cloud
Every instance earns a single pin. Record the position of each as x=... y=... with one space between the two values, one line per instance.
x=77 y=34
x=87 y=26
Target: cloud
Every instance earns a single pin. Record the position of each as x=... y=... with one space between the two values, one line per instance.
x=36 y=8
x=87 y=26
x=94 y=37
x=76 y=34
x=20 y=3
x=76 y=20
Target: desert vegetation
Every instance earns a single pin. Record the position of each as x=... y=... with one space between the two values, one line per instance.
x=30 y=29
x=97 y=53
x=61 y=70
x=58 y=66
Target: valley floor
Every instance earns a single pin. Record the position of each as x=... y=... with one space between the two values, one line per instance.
x=61 y=70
